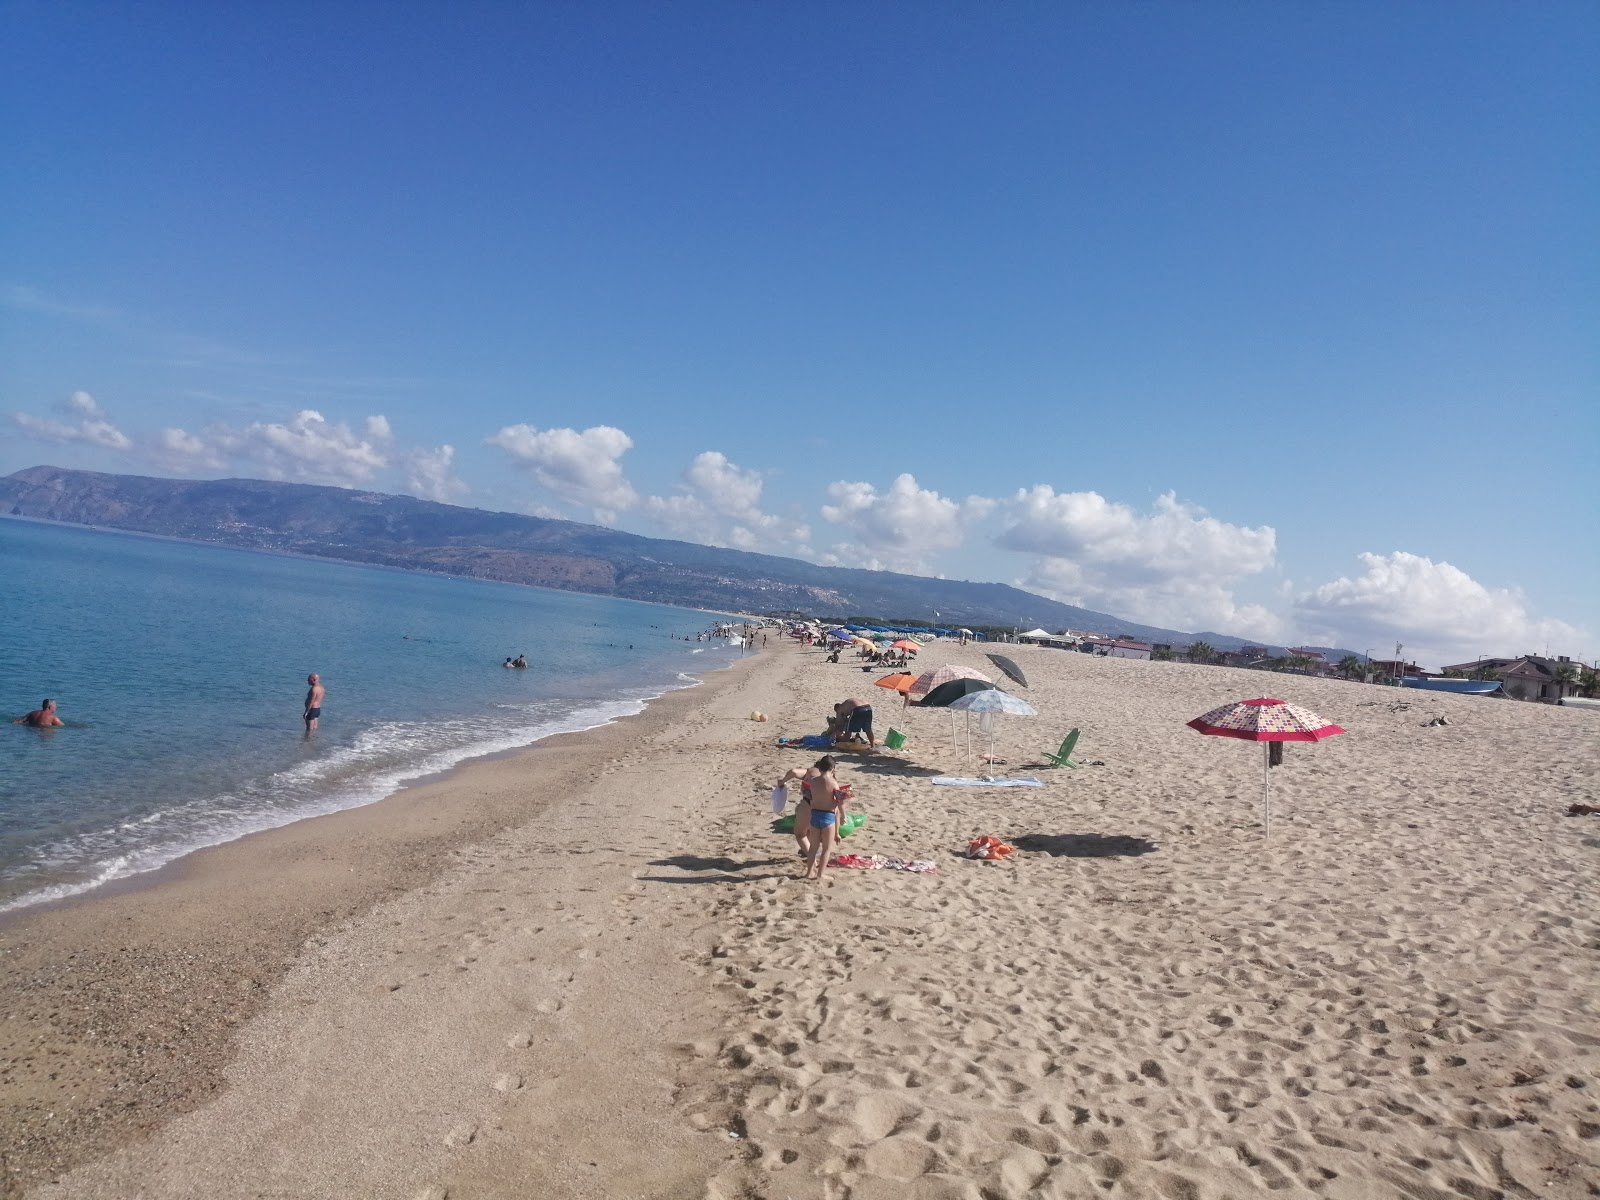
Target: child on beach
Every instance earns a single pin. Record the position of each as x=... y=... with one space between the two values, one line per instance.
x=807 y=833
x=827 y=815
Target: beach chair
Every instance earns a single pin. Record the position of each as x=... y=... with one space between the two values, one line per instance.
x=1063 y=756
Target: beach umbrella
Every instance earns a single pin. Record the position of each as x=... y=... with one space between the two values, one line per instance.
x=907 y=645
x=948 y=692
x=900 y=682
x=1265 y=720
x=993 y=700
x=934 y=676
x=951 y=690
x=990 y=702
x=1012 y=671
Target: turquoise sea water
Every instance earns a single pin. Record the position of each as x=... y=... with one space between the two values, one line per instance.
x=180 y=670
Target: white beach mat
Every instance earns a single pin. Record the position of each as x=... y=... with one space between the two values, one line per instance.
x=966 y=781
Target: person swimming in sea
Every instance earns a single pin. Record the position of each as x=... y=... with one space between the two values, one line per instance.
x=43 y=717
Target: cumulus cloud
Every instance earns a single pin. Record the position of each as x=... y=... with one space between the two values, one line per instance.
x=719 y=503
x=179 y=450
x=578 y=467
x=901 y=529
x=1174 y=566
x=1436 y=610
x=309 y=448
x=429 y=474
x=86 y=423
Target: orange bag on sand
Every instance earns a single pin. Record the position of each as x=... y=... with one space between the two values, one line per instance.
x=989 y=847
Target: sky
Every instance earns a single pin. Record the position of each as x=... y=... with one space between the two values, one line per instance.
x=1269 y=319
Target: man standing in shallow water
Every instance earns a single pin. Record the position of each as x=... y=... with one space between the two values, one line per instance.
x=43 y=717
x=313 y=701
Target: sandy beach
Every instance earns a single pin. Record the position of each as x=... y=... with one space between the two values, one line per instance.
x=591 y=969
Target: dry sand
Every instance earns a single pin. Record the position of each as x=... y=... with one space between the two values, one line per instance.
x=633 y=995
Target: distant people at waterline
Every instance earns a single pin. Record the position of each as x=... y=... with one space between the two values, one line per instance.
x=314 y=697
x=43 y=717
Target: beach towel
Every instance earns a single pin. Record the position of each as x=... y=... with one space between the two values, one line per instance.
x=989 y=847
x=960 y=781
x=883 y=862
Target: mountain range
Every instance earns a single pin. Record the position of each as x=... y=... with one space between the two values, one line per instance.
x=401 y=531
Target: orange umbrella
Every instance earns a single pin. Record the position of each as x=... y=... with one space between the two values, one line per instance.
x=908 y=646
x=900 y=683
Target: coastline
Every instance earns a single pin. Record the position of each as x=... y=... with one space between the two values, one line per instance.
x=119 y=1006
x=631 y=993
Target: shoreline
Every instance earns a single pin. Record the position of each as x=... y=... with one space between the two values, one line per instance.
x=119 y=1005
x=11 y=909
x=631 y=992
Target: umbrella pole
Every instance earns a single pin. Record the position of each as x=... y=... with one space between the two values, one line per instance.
x=1266 y=785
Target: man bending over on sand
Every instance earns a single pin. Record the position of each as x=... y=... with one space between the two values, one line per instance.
x=313 y=701
x=43 y=717
x=858 y=720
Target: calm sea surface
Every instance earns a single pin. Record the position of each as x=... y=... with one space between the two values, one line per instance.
x=180 y=672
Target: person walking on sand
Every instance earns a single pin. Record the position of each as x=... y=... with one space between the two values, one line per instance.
x=43 y=717
x=827 y=816
x=314 y=701
x=806 y=777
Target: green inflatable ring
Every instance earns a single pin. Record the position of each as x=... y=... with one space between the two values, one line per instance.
x=852 y=822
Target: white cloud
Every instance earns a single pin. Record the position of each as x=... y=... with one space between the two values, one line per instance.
x=179 y=450
x=88 y=425
x=579 y=467
x=429 y=475
x=719 y=503
x=901 y=529
x=310 y=448
x=1175 y=566
x=1437 y=611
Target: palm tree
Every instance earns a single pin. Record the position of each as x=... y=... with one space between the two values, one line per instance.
x=1350 y=666
x=1201 y=652
x=1589 y=681
x=1566 y=677
x=1161 y=655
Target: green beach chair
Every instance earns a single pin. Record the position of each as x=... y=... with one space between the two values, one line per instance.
x=1063 y=756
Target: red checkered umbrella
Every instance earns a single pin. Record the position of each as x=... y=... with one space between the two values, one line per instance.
x=1265 y=720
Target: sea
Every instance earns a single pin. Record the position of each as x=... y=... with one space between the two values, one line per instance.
x=180 y=671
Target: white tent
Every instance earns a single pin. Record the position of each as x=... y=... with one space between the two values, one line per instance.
x=1037 y=635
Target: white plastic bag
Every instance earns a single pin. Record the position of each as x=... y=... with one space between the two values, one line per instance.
x=780 y=798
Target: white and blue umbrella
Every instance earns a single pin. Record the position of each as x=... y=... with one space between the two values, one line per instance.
x=993 y=700
x=988 y=703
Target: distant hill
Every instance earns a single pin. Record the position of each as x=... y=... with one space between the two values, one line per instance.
x=372 y=527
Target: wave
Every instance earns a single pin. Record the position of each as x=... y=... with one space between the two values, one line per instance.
x=382 y=760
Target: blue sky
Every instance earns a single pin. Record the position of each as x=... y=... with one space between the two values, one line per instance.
x=1272 y=319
